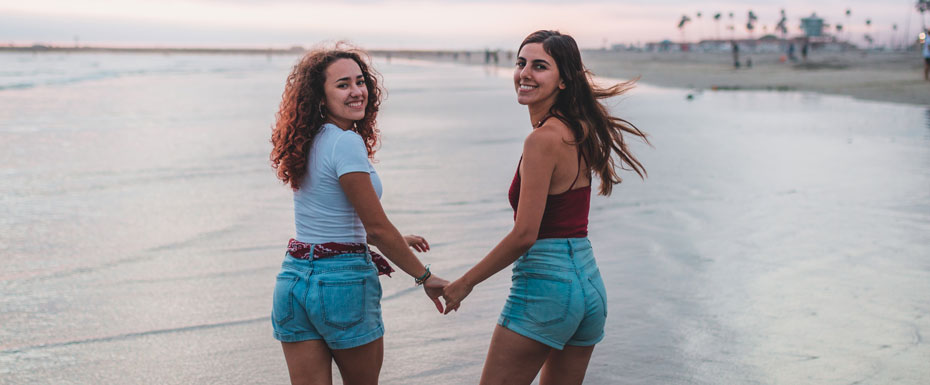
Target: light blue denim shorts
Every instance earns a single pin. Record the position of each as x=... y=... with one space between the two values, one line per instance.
x=557 y=296
x=335 y=299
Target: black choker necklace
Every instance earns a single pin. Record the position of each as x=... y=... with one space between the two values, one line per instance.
x=541 y=121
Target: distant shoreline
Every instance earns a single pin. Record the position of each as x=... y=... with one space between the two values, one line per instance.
x=895 y=77
x=879 y=76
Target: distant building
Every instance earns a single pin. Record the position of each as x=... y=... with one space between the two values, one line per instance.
x=812 y=26
x=765 y=44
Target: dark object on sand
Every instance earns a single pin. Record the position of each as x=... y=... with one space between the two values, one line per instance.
x=735 y=49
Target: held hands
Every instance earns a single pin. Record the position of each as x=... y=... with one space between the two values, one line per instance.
x=454 y=293
x=434 y=288
x=433 y=285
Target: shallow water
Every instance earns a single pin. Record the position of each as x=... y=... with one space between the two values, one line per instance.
x=781 y=238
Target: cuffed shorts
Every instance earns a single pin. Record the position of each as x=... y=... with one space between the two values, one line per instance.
x=557 y=296
x=335 y=299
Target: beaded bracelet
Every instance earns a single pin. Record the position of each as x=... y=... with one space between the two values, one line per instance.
x=424 y=277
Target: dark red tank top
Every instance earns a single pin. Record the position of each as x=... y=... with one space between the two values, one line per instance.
x=566 y=214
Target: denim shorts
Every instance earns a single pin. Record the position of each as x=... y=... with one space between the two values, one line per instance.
x=557 y=296
x=335 y=299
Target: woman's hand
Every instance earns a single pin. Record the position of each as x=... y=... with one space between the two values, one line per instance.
x=417 y=242
x=434 y=287
x=454 y=293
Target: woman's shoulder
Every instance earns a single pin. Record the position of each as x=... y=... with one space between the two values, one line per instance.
x=343 y=138
x=548 y=136
x=332 y=144
x=542 y=140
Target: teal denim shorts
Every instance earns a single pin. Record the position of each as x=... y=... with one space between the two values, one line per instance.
x=335 y=299
x=557 y=296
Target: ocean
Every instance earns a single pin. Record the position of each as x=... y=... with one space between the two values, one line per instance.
x=780 y=237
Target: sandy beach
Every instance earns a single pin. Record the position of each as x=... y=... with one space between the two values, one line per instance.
x=879 y=76
x=780 y=237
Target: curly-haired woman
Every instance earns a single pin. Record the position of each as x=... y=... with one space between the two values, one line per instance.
x=327 y=295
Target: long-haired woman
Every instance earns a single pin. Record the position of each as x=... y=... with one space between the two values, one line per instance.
x=327 y=295
x=557 y=307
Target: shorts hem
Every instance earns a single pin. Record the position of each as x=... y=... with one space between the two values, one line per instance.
x=531 y=335
x=296 y=337
x=357 y=341
x=590 y=342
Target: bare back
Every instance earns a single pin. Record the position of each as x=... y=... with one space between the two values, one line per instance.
x=570 y=167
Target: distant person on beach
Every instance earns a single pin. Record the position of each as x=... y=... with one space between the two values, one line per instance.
x=557 y=307
x=735 y=49
x=327 y=298
x=926 y=51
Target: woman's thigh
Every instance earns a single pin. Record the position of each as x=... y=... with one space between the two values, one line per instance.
x=308 y=362
x=360 y=365
x=566 y=366
x=512 y=358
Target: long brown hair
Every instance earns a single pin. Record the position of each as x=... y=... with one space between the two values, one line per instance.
x=300 y=117
x=598 y=134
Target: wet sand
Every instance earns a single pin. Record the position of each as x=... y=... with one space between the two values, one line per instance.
x=780 y=238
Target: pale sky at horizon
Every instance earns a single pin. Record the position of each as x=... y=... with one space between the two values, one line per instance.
x=417 y=24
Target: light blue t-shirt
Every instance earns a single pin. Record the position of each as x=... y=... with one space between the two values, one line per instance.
x=322 y=211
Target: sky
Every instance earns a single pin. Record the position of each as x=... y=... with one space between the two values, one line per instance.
x=420 y=24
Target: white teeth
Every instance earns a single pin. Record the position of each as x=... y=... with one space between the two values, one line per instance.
x=354 y=104
x=527 y=87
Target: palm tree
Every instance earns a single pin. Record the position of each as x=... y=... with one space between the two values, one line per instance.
x=681 y=26
x=701 y=24
x=751 y=22
x=732 y=27
x=894 y=32
x=782 y=25
x=848 y=16
x=868 y=35
x=923 y=6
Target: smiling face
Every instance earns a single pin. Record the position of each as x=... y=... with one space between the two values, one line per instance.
x=536 y=77
x=346 y=93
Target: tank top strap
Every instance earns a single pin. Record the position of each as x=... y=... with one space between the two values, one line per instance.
x=580 y=157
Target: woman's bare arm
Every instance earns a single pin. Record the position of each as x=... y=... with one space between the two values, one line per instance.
x=536 y=175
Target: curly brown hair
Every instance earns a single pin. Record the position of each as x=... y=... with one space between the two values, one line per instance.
x=299 y=118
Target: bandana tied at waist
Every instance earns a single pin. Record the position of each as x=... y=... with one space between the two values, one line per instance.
x=301 y=250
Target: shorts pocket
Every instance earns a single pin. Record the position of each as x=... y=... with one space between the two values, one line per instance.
x=282 y=309
x=343 y=302
x=598 y=284
x=547 y=298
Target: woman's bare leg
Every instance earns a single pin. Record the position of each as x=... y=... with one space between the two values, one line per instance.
x=567 y=366
x=309 y=362
x=512 y=359
x=360 y=365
